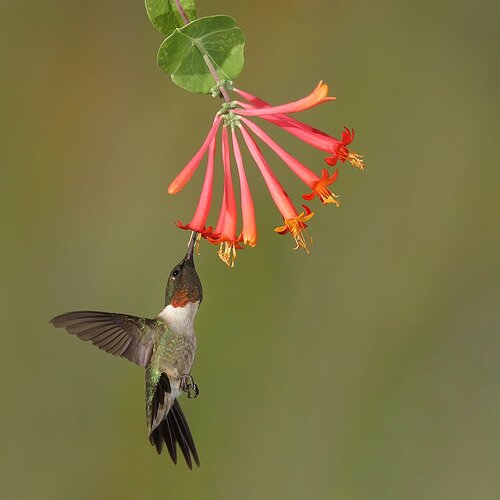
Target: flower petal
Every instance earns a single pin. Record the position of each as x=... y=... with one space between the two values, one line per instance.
x=205 y=232
x=226 y=225
x=249 y=232
x=318 y=96
x=201 y=215
x=187 y=172
x=310 y=135
x=278 y=194
x=306 y=175
x=296 y=226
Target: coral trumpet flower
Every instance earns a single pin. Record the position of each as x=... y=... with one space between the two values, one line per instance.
x=249 y=232
x=340 y=152
x=225 y=231
x=296 y=226
x=239 y=115
x=307 y=176
x=321 y=190
x=200 y=217
x=294 y=222
x=318 y=96
x=310 y=135
x=187 y=172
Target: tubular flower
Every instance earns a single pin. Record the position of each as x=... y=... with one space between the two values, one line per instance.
x=294 y=222
x=187 y=172
x=340 y=151
x=249 y=232
x=308 y=177
x=200 y=217
x=310 y=135
x=237 y=114
x=318 y=96
x=321 y=190
x=295 y=227
x=225 y=231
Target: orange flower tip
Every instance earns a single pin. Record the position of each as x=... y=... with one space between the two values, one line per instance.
x=173 y=188
x=322 y=92
x=214 y=238
x=297 y=228
x=249 y=241
x=320 y=189
x=356 y=160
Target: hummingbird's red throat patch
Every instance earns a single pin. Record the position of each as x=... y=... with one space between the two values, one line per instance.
x=183 y=297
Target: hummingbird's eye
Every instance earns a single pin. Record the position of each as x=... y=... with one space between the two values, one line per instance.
x=175 y=272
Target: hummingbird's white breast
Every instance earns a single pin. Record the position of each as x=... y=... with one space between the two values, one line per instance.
x=180 y=319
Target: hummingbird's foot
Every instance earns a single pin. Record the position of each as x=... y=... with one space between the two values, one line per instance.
x=188 y=386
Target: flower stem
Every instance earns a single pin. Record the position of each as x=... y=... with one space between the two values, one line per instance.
x=216 y=77
x=181 y=11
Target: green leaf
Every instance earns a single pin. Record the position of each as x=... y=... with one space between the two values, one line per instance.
x=165 y=15
x=215 y=37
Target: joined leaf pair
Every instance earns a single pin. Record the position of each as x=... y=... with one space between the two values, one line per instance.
x=183 y=53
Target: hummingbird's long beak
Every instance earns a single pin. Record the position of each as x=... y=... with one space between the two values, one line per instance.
x=191 y=245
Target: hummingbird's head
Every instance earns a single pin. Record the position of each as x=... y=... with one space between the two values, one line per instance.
x=184 y=285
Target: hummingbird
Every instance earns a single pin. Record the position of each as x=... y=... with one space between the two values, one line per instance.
x=165 y=346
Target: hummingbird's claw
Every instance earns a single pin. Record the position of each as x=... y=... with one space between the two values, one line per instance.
x=188 y=386
x=192 y=391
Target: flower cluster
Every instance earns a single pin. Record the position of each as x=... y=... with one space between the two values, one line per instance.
x=236 y=116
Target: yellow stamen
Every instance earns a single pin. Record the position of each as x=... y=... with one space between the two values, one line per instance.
x=356 y=160
x=227 y=253
x=330 y=199
x=197 y=244
x=325 y=195
x=296 y=227
x=300 y=240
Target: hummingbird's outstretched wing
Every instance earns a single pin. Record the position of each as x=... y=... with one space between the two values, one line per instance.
x=119 y=334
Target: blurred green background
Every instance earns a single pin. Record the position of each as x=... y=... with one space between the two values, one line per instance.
x=369 y=370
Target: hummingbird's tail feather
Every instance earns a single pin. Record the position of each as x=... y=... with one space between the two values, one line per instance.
x=173 y=428
x=183 y=435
